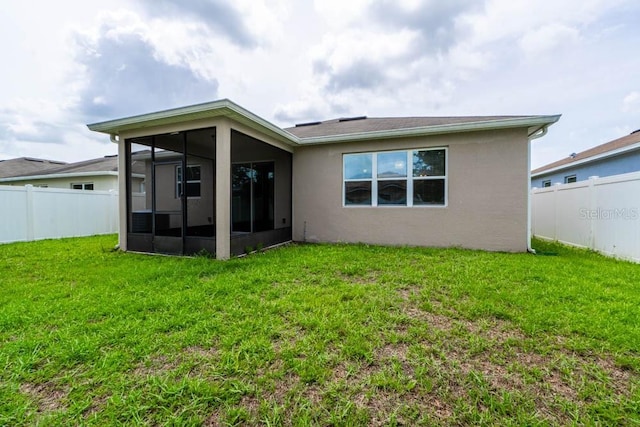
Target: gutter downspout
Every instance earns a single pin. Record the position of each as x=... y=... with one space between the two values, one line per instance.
x=539 y=133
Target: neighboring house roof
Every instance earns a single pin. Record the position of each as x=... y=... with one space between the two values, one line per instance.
x=331 y=131
x=102 y=164
x=26 y=166
x=107 y=165
x=608 y=149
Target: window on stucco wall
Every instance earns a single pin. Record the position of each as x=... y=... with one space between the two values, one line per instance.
x=396 y=178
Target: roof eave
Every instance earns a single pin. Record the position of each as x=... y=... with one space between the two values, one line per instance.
x=58 y=176
x=227 y=108
x=220 y=108
x=532 y=123
x=586 y=160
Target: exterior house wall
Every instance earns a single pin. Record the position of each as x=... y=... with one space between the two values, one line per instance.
x=487 y=199
x=100 y=183
x=624 y=163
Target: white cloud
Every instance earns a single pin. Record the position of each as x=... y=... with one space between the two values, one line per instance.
x=338 y=52
x=339 y=14
x=149 y=65
x=631 y=102
x=548 y=38
x=502 y=19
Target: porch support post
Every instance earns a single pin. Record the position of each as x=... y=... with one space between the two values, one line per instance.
x=123 y=172
x=223 y=190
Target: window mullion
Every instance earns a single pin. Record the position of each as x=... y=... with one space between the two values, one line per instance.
x=410 y=178
x=374 y=180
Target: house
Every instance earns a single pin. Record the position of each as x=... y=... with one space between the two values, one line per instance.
x=221 y=179
x=615 y=157
x=95 y=174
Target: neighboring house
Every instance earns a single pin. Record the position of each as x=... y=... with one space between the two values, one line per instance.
x=615 y=157
x=94 y=174
x=221 y=179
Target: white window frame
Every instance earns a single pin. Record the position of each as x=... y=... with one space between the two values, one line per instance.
x=569 y=177
x=179 y=180
x=83 y=186
x=546 y=183
x=409 y=178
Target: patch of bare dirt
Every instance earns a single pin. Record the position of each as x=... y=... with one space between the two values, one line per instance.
x=96 y=406
x=201 y=352
x=389 y=351
x=48 y=397
x=407 y=293
x=154 y=366
x=369 y=278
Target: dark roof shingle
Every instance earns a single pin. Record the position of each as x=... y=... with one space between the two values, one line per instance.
x=102 y=164
x=26 y=166
x=377 y=124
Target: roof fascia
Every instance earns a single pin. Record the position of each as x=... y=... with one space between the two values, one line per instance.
x=581 y=162
x=533 y=123
x=58 y=176
x=223 y=107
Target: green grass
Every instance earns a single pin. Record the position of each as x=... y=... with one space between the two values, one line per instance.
x=317 y=334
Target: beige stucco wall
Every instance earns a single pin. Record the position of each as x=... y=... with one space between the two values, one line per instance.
x=487 y=195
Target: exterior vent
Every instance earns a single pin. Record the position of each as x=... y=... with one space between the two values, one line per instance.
x=350 y=119
x=299 y=125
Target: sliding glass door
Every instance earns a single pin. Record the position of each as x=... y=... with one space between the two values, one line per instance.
x=252 y=205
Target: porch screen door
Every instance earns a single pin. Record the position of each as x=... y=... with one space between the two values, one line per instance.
x=168 y=207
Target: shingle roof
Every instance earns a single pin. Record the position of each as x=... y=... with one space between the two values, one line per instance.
x=102 y=164
x=348 y=126
x=616 y=144
x=26 y=166
x=331 y=131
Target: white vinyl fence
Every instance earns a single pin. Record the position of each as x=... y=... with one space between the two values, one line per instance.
x=32 y=213
x=602 y=214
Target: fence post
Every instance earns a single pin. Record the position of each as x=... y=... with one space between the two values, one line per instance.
x=555 y=211
x=30 y=214
x=592 y=208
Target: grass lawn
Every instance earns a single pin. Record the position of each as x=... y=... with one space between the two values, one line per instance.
x=317 y=334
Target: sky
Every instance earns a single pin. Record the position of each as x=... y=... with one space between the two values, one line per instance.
x=68 y=63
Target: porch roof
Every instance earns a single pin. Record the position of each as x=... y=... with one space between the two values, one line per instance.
x=220 y=108
x=330 y=131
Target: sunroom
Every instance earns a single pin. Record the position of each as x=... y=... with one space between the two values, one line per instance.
x=212 y=184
